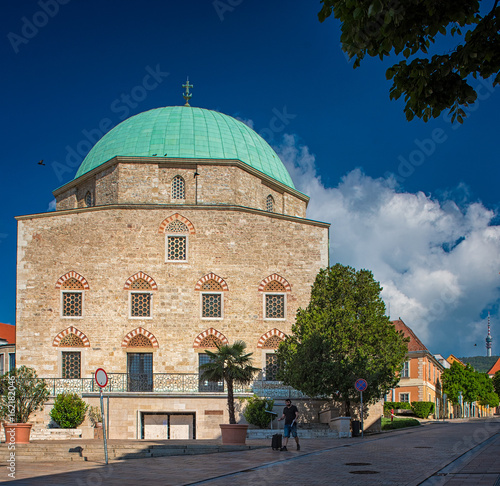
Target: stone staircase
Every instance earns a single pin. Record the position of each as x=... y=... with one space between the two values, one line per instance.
x=93 y=450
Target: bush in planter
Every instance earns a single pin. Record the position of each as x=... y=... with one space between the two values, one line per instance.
x=21 y=394
x=422 y=409
x=256 y=411
x=95 y=416
x=69 y=410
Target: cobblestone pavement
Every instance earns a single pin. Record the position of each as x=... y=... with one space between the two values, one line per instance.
x=453 y=453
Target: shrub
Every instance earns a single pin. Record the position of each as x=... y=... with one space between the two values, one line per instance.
x=21 y=394
x=395 y=405
x=422 y=409
x=255 y=412
x=398 y=423
x=95 y=415
x=68 y=410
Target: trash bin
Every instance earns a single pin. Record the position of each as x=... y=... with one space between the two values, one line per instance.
x=356 y=428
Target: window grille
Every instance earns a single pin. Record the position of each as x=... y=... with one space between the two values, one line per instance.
x=178 y=188
x=176 y=248
x=176 y=227
x=271 y=367
x=140 y=341
x=270 y=203
x=88 y=199
x=210 y=341
x=72 y=304
x=140 y=372
x=140 y=304
x=211 y=305
x=140 y=284
x=272 y=343
x=71 y=341
x=71 y=364
x=275 y=306
x=206 y=385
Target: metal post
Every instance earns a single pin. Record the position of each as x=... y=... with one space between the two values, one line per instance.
x=104 y=429
x=362 y=428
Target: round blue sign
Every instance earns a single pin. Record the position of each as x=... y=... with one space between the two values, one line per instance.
x=361 y=385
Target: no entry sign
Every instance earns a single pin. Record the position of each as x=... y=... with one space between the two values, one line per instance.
x=101 y=377
x=361 y=385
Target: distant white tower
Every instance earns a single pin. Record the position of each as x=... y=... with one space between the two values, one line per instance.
x=489 y=339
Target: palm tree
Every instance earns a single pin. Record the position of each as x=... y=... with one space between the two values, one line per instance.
x=231 y=364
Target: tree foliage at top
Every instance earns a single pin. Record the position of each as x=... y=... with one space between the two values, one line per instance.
x=473 y=385
x=430 y=84
x=341 y=336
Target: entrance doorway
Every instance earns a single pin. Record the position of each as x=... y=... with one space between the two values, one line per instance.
x=168 y=425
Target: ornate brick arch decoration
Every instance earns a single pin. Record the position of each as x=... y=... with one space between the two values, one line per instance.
x=74 y=275
x=270 y=338
x=176 y=217
x=209 y=332
x=142 y=331
x=277 y=278
x=74 y=331
x=211 y=276
x=137 y=276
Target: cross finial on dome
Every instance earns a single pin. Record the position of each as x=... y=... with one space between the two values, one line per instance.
x=187 y=95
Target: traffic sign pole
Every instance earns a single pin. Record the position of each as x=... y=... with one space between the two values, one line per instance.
x=101 y=378
x=361 y=385
x=104 y=430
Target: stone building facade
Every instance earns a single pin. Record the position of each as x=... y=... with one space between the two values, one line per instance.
x=149 y=259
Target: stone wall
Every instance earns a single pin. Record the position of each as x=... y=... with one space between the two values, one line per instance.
x=107 y=246
x=139 y=181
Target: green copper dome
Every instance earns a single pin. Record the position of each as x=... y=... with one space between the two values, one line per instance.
x=187 y=132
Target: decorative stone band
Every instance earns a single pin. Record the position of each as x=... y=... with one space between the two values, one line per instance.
x=209 y=332
x=211 y=276
x=270 y=334
x=71 y=330
x=75 y=275
x=137 y=276
x=275 y=277
x=142 y=331
x=176 y=217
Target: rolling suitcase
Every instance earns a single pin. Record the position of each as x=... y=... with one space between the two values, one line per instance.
x=276 y=441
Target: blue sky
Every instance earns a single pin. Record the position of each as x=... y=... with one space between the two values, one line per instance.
x=415 y=203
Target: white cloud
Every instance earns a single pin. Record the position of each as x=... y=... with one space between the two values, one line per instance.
x=52 y=205
x=437 y=262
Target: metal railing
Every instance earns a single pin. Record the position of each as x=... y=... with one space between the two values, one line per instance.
x=167 y=383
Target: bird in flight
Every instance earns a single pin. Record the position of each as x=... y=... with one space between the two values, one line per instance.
x=41 y=162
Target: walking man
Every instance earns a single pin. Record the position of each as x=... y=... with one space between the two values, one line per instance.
x=290 y=414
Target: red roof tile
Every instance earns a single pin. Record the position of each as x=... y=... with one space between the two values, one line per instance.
x=495 y=367
x=415 y=344
x=8 y=332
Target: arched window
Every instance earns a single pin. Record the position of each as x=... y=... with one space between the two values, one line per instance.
x=88 y=199
x=72 y=286
x=270 y=204
x=211 y=300
x=274 y=300
x=178 y=188
x=176 y=229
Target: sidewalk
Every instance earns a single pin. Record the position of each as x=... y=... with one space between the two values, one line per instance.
x=449 y=453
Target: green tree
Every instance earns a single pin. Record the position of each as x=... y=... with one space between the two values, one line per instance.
x=231 y=364
x=257 y=411
x=459 y=378
x=21 y=394
x=341 y=336
x=430 y=84
x=486 y=393
x=496 y=382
